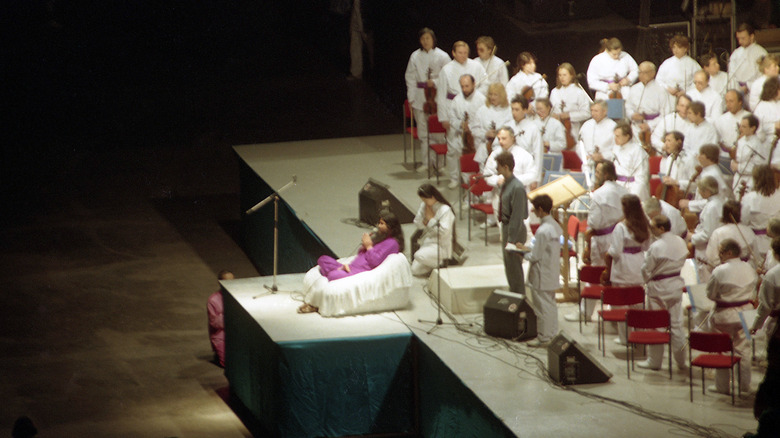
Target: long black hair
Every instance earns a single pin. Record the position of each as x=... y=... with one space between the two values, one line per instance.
x=427 y=190
x=394 y=229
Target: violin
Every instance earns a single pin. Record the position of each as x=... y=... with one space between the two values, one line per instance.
x=468 y=137
x=570 y=142
x=430 y=97
x=528 y=90
x=488 y=138
x=647 y=145
x=668 y=192
x=616 y=94
x=742 y=189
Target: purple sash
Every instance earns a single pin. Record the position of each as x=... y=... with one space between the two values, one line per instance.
x=622 y=178
x=632 y=250
x=664 y=276
x=604 y=231
x=451 y=96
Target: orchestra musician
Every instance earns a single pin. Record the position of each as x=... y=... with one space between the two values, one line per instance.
x=708 y=160
x=709 y=220
x=462 y=119
x=527 y=136
x=569 y=100
x=751 y=151
x=646 y=103
x=701 y=131
x=631 y=162
x=612 y=70
x=727 y=124
x=731 y=228
x=769 y=66
x=743 y=62
x=768 y=111
x=677 y=164
x=654 y=207
x=675 y=74
x=552 y=130
x=527 y=81
x=494 y=114
x=422 y=71
x=596 y=138
x=704 y=93
x=448 y=84
x=676 y=121
x=718 y=79
x=761 y=204
x=493 y=65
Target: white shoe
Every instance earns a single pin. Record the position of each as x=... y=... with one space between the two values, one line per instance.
x=714 y=388
x=619 y=341
x=646 y=365
x=484 y=225
x=575 y=316
x=452 y=185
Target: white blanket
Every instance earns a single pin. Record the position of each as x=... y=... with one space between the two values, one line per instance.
x=383 y=288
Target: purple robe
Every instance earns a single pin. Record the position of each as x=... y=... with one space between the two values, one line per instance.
x=364 y=261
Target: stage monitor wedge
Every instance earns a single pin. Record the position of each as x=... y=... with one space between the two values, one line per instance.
x=509 y=315
x=570 y=364
x=375 y=197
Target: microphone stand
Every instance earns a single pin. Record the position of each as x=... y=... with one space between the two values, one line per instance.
x=275 y=197
x=438 y=323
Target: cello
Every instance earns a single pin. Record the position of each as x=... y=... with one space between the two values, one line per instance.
x=429 y=107
x=668 y=192
x=570 y=142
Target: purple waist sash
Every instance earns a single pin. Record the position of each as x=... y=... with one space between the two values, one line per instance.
x=604 y=231
x=730 y=304
x=622 y=178
x=451 y=96
x=632 y=250
x=664 y=276
x=422 y=84
x=759 y=232
x=651 y=116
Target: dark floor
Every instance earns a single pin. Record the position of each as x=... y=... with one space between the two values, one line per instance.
x=120 y=191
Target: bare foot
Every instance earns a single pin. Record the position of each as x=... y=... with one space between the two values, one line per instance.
x=307 y=308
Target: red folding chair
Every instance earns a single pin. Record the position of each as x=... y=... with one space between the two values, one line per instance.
x=571 y=161
x=647 y=322
x=654 y=183
x=477 y=187
x=617 y=296
x=655 y=165
x=591 y=275
x=410 y=130
x=439 y=149
x=467 y=165
x=714 y=344
x=573 y=228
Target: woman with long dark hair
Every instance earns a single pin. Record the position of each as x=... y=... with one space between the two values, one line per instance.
x=436 y=220
x=626 y=255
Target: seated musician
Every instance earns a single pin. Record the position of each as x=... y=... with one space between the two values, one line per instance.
x=374 y=248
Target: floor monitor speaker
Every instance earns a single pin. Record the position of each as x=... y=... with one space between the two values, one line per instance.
x=570 y=364
x=375 y=197
x=509 y=315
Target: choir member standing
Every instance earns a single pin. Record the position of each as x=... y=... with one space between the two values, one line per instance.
x=612 y=70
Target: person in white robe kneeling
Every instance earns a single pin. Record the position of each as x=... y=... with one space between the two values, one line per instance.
x=436 y=222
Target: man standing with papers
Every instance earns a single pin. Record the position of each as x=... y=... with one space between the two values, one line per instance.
x=512 y=212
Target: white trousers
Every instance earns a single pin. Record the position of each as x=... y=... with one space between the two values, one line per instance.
x=547 y=316
x=656 y=352
x=425 y=260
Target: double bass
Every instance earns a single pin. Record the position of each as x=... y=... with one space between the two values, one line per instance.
x=570 y=142
x=430 y=107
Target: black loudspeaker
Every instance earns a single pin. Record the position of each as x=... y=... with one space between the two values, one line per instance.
x=569 y=364
x=509 y=315
x=375 y=197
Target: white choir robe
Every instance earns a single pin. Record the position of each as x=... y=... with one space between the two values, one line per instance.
x=605 y=211
x=521 y=80
x=757 y=209
x=490 y=117
x=713 y=102
x=709 y=220
x=553 y=132
x=633 y=169
x=679 y=227
x=649 y=100
x=751 y=151
x=719 y=82
x=574 y=100
x=416 y=77
x=756 y=87
x=699 y=135
x=727 y=125
x=767 y=113
x=448 y=84
x=724 y=188
x=436 y=238
x=681 y=169
x=744 y=236
x=544 y=275
x=676 y=73
x=666 y=256
x=626 y=266
x=743 y=65
x=733 y=281
x=457 y=114
x=525 y=170
x=768 y=300
x=594 y=135
x=670 y=122
x=495 y=70
x=528 y=137
x=603 y=70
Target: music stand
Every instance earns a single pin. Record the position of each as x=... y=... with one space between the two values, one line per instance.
x=563 y=191
x=275 y=197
